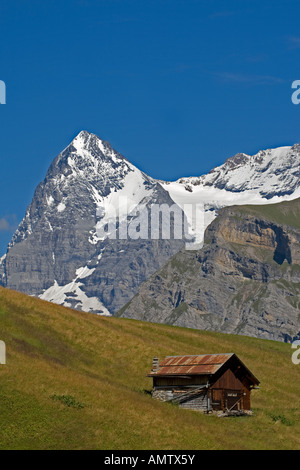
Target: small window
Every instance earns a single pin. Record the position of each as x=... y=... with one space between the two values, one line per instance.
x=232 y=394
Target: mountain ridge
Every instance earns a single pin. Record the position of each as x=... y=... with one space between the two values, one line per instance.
x=59 y=235
x=245 y=279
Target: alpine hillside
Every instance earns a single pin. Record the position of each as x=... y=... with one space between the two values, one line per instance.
x=78 y=381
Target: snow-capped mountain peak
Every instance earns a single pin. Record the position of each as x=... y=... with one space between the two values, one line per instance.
x=269 y=173
x=89 y=144
x=87 y=186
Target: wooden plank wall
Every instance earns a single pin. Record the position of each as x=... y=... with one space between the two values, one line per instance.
x=198 y=403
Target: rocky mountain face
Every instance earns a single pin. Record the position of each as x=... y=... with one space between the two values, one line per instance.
x=70 y=247
x=245 y=279
x=57 y=252
x=2 y=270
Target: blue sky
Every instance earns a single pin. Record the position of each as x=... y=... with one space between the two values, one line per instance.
x=177 y=86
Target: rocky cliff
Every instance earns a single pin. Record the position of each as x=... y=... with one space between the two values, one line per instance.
x=245 y=279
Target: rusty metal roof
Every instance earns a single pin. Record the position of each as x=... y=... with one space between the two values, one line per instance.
x=206 y=364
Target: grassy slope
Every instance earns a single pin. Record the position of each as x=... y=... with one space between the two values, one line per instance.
x=284 y=213
x=103 y=363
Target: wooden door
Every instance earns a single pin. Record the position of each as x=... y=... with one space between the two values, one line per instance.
x=233 y=400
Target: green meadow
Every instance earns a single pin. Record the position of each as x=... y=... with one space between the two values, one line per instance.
x=78 y=381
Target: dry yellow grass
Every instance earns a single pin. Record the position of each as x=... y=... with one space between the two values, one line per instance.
x=101 y=363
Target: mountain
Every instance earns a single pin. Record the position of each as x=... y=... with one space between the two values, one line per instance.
x=57 y=252
x=70 y=248
x=245 y=279
x=269 y=173
x=269 y=176
x=77 y=381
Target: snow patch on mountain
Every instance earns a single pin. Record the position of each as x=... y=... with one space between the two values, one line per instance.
x=61 y=207
x=120 y=203
x=71 y=294
x=84 y=272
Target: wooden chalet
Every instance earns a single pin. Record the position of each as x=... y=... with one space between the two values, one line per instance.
x=209 y=382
